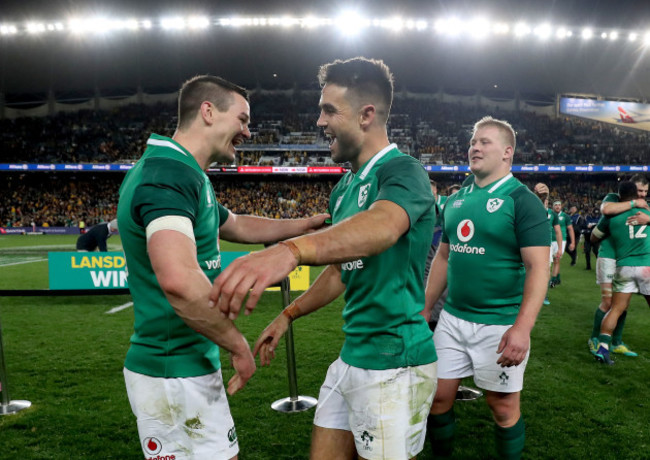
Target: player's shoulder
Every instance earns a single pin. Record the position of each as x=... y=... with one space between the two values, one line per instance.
x=169 y=171
x=611 y=198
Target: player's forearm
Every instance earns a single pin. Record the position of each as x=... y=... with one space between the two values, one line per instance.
x=613 y=209
x=326 y=288
x=437 y=281
x=255 y=229
x=191 y=304
x=365 y=234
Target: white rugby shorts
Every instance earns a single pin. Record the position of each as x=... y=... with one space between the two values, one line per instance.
x=386 y=410
x=632 y=280
x=182 y=418
x=465 y=349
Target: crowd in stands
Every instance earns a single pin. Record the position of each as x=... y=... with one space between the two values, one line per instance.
x=282 y=122
x=66 y=199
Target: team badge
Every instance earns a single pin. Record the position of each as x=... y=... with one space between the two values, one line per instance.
x=493 y=204
x=465 y=230
x=363 y=195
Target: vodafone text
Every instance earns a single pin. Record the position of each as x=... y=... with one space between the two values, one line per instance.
x=466 y=249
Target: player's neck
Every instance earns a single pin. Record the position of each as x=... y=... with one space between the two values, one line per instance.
x=371 y=147
x=490 y=178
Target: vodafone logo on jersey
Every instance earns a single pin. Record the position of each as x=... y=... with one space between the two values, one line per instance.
x=465 y=230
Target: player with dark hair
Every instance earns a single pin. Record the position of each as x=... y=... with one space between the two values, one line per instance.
x=606 y=262
x=376 y=396
x=494 y=229
x=170 y=222
x=632 y=251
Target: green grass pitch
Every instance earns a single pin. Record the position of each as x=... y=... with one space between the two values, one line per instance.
x=65 y=355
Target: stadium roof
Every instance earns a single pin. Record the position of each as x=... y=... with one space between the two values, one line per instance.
x=611 y=65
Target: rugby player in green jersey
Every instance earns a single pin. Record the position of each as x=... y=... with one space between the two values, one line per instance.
x=377 y=394
x=170 y=223
x=611 y=206
x=494 y=260
x=542 y=191
x=566 y=227
x=632 y=252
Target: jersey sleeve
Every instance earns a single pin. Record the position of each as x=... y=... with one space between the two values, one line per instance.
x=404 y=181
x=603 y=226
x=223 y=214
x=611 y=198
x=531 y=220
x=167 y=188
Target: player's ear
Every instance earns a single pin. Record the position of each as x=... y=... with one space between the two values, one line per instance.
x=367 y=115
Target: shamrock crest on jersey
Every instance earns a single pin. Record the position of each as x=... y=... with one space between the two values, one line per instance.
x=363 y=194
x=493 y=204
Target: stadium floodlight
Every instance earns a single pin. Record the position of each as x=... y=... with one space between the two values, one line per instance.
x=450 y=27
x=613 y=35
x=501 y=28
x=646 y=38
x=351 y=23
x=198 y=22
x=131 y=24
x=479 y=28
x=35 y=28
x=587 y=33
x=395 y=24
x=173 y=23
x=421 y=24
x=310 y=22
x=522 y=29
x=289 y=21
x=8 y=29
x=562 y=33
x=633 y=36
x=543 y=31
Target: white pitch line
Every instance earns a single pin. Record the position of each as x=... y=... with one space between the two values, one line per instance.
x=120 y=308
x=23 y=262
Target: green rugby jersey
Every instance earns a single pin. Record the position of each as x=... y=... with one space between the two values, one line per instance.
x=606 y=248
x=553 y=220
x=630 y=242
x=564 y=220
x=167 y=181
x=440 y=204
x=486 y=227
x=384 y=293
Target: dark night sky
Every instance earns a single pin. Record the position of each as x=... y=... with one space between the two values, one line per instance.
x=420 y=61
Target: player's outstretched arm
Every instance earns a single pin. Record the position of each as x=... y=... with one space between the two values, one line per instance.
x=610 y=208
x=173 y=258
x=365 y=234
x=515 y=343
x=326 y=288
x=437 y=281
x=254 y=229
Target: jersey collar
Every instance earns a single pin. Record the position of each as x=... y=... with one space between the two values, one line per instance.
x=161 y=141
x=495 y=185
x=366 y=169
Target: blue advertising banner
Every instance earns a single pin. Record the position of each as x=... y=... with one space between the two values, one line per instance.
x=631 y=114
